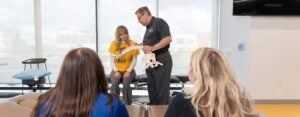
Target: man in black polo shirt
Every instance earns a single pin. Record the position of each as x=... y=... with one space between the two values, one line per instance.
x=157 y=39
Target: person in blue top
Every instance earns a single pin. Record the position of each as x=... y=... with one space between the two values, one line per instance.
x=80 y=91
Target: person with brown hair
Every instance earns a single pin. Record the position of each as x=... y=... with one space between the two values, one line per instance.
x=80 y=91
x=216 y=91
x=157 y=40
x=123 y=66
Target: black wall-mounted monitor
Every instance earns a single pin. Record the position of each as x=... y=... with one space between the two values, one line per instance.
x=266 y=7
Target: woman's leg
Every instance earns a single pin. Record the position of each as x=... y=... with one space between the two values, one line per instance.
x=115 y=89
x=127 y=91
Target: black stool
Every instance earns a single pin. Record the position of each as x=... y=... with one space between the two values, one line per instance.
x=36 y=61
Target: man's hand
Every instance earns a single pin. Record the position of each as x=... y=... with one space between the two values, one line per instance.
x=117 y=75
x=147 y=49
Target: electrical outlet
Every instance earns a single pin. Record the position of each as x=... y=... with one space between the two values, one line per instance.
x=241 y=46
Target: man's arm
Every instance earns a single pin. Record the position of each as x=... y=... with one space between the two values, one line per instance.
x=163 y=42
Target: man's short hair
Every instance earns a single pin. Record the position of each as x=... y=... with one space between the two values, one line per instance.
x=143 y=10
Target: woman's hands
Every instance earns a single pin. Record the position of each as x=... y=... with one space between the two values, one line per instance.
x=127 y=74
x=118 y=74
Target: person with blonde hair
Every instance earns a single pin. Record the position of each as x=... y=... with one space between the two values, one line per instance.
x=80 y=91
x=123 y=66
x=216 y=91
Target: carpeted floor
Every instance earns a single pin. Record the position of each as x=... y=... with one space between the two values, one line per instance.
x=279 y=110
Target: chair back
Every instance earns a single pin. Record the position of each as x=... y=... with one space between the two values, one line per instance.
x=136 y=111
x=157 y=110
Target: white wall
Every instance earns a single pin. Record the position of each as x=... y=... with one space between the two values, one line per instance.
x=270 y=64
x=235 y=30
x=275 y=57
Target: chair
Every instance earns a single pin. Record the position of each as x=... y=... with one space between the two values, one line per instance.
x=18 y=106
x=183 y=79
x=33 y=78
x=36 y=61
x=136 y=111
x=157 y=110
x=141 y=80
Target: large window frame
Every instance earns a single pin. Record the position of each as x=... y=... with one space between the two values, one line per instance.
x=39 y=32
x=137 y=37
x=54 y=59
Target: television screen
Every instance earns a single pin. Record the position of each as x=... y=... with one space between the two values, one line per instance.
x=266 y=7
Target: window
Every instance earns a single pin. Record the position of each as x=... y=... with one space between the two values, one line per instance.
x=17 y=38
x=119 y=12
x=190 y=23
x=66 y=24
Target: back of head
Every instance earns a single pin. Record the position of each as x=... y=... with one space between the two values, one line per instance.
x=216 y=91
x=82 y=69
x=81 y=80
x=143 y=10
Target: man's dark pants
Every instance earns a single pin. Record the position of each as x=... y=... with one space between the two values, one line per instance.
x=158 y=80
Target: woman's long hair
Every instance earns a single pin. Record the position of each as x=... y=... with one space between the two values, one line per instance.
x=81 y=80
x=121 y=29
x=216 y=91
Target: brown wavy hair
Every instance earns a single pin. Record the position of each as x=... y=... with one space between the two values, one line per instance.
x=216 y=90
x=81 y=80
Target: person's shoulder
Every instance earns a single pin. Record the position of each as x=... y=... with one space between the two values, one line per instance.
x=179 y=98
x=119 y=107
x=132 y=42
x=180 y=107
x=114 y=99
x=114 y=41
x=108 y=104
x=160 y=22
x=158 y=19
x=102 y=97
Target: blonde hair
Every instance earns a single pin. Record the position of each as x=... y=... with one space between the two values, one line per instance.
x=216 y=91
x=121 y=29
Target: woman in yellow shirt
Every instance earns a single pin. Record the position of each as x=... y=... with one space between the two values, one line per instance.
x=123 y=67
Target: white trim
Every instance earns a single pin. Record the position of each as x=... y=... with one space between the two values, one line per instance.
x=38 y=28
x=216 y=22
x=157 y=8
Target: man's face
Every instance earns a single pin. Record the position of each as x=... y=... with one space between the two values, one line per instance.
x=142 y=18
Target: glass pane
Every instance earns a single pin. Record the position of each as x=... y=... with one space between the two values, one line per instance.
x=66 y=24
x=120 y=12
x=190 y=24
x=17 y=41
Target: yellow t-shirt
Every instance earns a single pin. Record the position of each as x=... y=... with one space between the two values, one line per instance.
x=123 y=63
